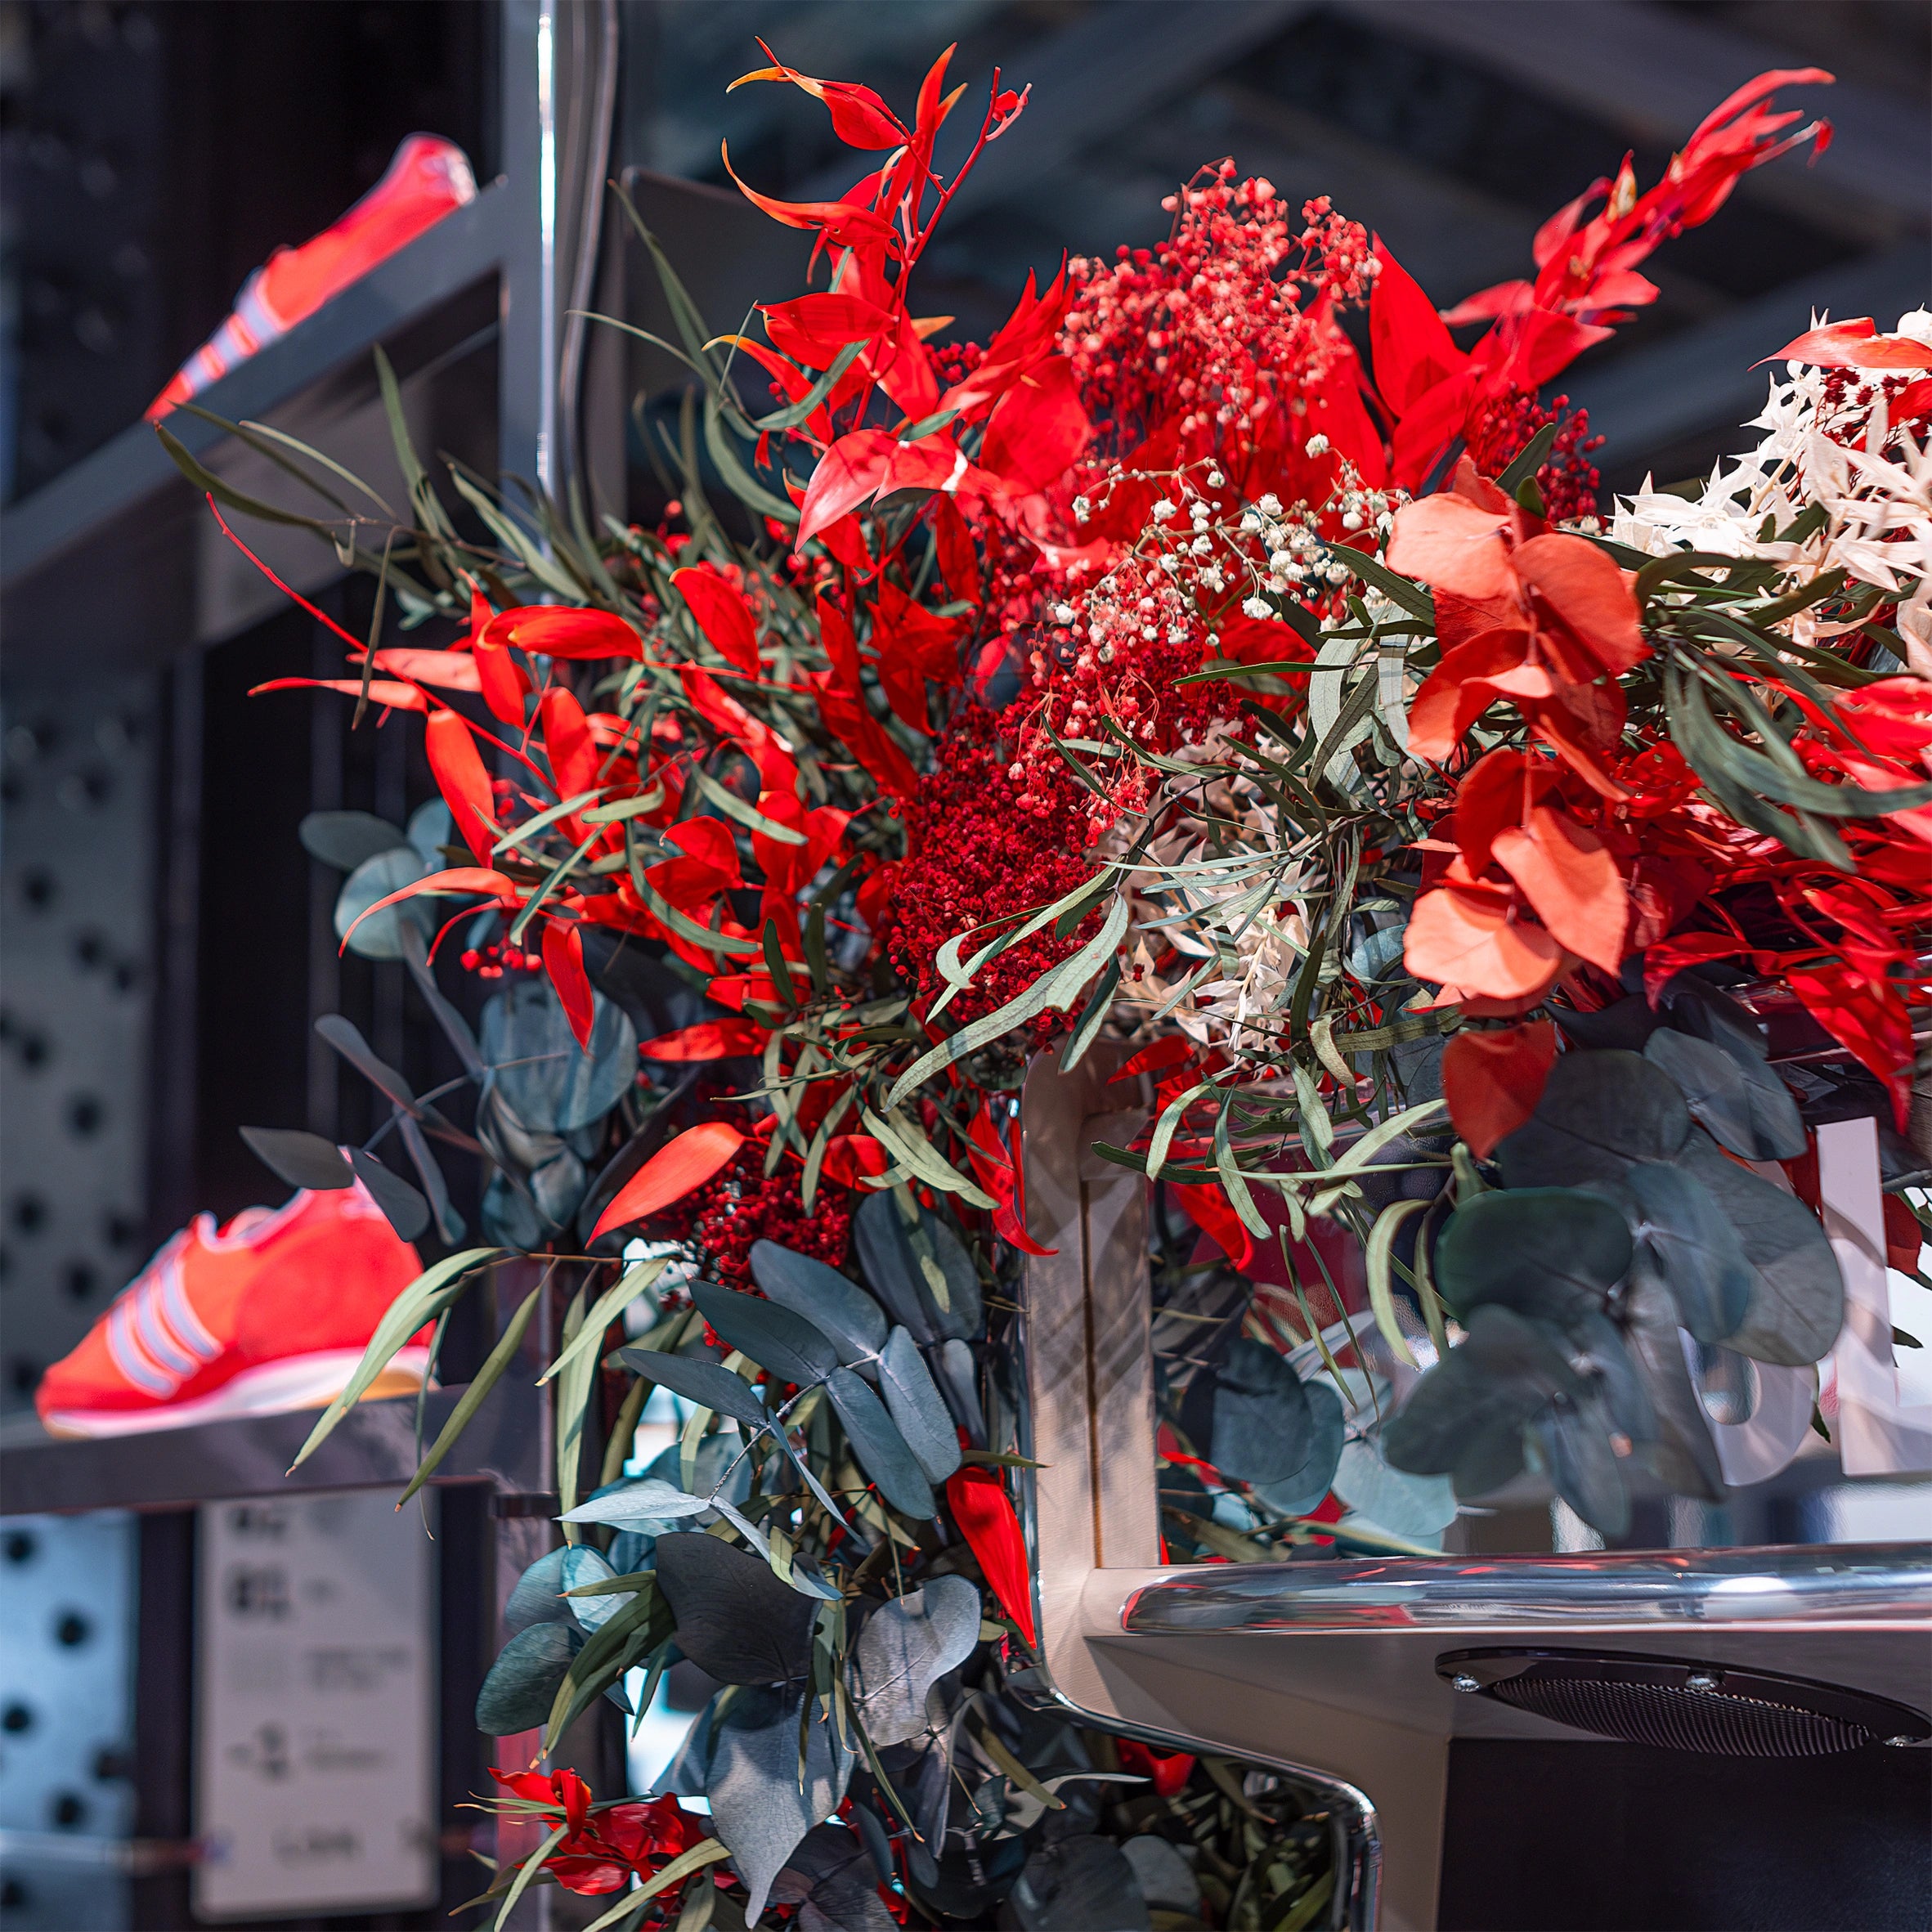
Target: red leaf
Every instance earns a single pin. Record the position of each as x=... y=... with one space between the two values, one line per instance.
x=575 y=759
x=959 y=561
x=1869 y=1017
x=681 y=1165
x=563 y=960
x=1492 y=1081
x=1904 y=1237
x=709 y=1039
x=1589 y=593
x=984 y=1514
x=1413 y=349
x=457 y=767
x=448 y=670
x=382 y=691
x=850 y=473
x=1854 y=345
x=564 y=630
x=722 y=615
x=842 y=223
x=1166 y=1771
x=1467 y=940
x=1572 y=881
x=1452 y=545
x=463 y=878
x=859 y=118
x=1038 y=428
x=1211 y=1211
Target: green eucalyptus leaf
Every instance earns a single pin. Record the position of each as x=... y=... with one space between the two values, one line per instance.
x=1465 y=1418
x=785 y=1345
x=303 y=1160
x=760 y=1806
x=834 y=1304
x=907 y=1270
x=918 y=1410
x=523 y=1682
x=403 y=1206
x=1549 y=1251
x=1599 y=1112
x=1797 y=1297
x=905 y=1648
x=551 y=1085
x=735 y=1620
x=883 y=1453
x=1687 y=1244
x=346 y=840
x=1742 y=1103
x=381 y=936
x=698 y=1379
x=1273 y=1430
x=1681 y=1453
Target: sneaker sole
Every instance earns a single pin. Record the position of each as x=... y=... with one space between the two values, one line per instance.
x=273 y=1388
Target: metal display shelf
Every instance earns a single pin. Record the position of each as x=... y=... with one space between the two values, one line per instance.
x=373 y=1447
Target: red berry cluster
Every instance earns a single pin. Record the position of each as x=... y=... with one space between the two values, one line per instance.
x=742 y=1205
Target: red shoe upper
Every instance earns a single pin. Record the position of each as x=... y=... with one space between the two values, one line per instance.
x=316 y=1273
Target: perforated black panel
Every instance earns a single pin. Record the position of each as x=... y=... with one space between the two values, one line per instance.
x=1711 y=1721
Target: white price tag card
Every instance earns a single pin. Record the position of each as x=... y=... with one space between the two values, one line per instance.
x=315 y=1736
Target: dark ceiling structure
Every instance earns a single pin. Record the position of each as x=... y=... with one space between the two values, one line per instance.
x=1450 y=127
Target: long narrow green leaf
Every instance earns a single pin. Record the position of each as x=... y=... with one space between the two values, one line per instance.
x=520 y=835
x=528 y=1870
x=206 y=480
x=1052 y=990
x=485 y=1379
x=728 y=802
x=421 y=1301
x=910 y=1147
x=608 y=1307
x=1378 y=1255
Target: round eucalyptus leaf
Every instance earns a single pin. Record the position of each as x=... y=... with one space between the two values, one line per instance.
x=381 y=937
x=1082 y=1884
x=1392 y=1499
x=759 y=1809
x=538 y=1597
x=907 y=1646
x=1682 y=1452
x=430 y=828
x=547 y=1082
x=1573 y=1443
x=345 y=840
x=1797 y=1294
x=1599 y=1112
x=1465 y=1417
x=1687 y=1242
x=734 y=1619
x=583 y=1565
x=1739 y=1101
x=1263 y=1422
x=1543 y=1251
x=518 y=1694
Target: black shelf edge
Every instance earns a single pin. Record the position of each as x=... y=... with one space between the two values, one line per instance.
x=373 y=1447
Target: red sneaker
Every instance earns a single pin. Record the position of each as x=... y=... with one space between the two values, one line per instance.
x=271 y=1313
x=426 y=179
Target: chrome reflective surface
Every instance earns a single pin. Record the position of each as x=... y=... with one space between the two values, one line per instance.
x=1873 y=1586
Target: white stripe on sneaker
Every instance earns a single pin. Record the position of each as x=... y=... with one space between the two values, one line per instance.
x=129 y=1356
x=180 y=1312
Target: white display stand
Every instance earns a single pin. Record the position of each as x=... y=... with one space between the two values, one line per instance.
x=314 y=1732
